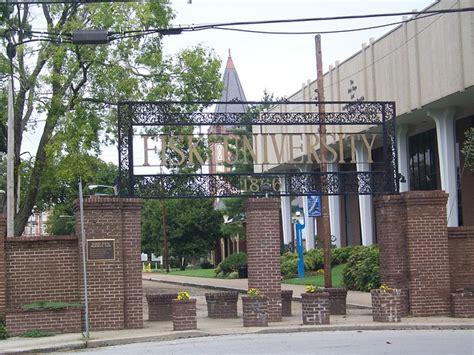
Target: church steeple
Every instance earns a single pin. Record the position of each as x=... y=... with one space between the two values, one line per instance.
x=232 y=89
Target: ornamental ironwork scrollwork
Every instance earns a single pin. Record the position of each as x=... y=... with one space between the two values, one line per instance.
x=385 y=180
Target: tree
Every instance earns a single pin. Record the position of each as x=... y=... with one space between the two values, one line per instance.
x=72 y=88
x=193 y=228
x=60 y=187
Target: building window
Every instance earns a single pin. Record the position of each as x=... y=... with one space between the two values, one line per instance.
x=423 y=161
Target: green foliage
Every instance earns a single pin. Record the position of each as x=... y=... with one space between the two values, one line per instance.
x=341 y=255
x=71 y=87
x=59 y=188
x=232 y=264
x=362 y=271
x=49 y=305
x=318 y=280
x=468 y=148
x=3 y=331
x=37 y=333
x=315 y=259
x=206 y=265
x=193 y=226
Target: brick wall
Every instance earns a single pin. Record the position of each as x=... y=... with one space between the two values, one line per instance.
x=391 y=235
x=58 y=321
x=263 y=250
x=115 y=286
x=428 y=255
x=461 y=257
x=413 y=238
x=41 y=269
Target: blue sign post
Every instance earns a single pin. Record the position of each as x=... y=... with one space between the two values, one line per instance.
x=299 y=247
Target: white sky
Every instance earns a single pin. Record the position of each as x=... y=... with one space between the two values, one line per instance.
x=278 y=63
x=281 y=63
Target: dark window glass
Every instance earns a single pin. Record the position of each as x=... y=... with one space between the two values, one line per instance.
x=423 y=163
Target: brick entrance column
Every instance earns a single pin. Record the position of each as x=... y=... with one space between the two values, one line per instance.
x=414 y=256
x=114 y=284
x=391 y=238
x=263 y=250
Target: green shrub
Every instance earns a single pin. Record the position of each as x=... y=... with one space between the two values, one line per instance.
x=37 y=333
x=3 y=331
x=206 y=265
x=232 y=263
x=289 y=268
x=233 y=275
x=341 y=255
x=49 y=305
x=314 y=259
x=362 y=270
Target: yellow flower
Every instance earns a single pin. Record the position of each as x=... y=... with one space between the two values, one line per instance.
x=183 y=295
x=311 y=289
x=254 y=292
x=385 y=288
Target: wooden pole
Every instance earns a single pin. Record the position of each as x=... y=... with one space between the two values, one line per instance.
x=323 y=167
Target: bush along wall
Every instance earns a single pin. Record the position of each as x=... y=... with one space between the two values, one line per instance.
x=361 y=272
x=229 y=267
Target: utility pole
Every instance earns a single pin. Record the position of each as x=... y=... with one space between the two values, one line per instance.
x=323 y=168
x=11 y=52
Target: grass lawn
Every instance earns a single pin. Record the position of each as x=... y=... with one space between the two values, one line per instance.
x=318 y=280
x=192 y=272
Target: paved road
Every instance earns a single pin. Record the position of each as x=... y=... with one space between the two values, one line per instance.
x=391 y=342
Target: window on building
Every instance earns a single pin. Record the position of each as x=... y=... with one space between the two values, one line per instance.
x=423 y=161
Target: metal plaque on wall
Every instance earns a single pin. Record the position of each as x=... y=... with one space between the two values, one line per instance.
x=100 y=249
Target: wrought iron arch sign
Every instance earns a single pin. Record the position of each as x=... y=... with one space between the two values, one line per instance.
x=375 y=119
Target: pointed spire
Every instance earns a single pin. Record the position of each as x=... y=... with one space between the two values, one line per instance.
x=230 y=63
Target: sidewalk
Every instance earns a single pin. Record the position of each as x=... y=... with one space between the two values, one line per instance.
x=356 y=319
x=355 y=299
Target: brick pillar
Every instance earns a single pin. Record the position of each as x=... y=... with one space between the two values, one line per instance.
x=3 y=271
x=263 y=250
x=428 y=254
x=114 y=285
x=390 y=214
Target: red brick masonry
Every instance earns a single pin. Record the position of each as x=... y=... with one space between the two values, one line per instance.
x=337 y=300
x=386 y=305
x=286 y=298
x=58 y=321
x=184 y=314
x=222 y=304
x=263 y=250
x=255 y=312
x=463 y=304
x=160 y=306
x=315 y=307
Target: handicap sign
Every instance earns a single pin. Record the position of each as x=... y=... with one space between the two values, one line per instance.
x=314 y=206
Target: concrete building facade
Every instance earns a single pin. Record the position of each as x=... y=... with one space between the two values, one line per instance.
x=426 y=67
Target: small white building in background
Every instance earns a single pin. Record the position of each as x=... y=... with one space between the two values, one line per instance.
x=425 y=65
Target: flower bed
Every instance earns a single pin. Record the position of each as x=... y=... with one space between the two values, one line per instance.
x=160 y=306
x=222 y=304
x=315 y=307
x=386 y=304
x=184 y=314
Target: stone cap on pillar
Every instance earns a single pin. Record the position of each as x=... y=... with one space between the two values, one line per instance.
x=109 y=203
x=264 y=203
